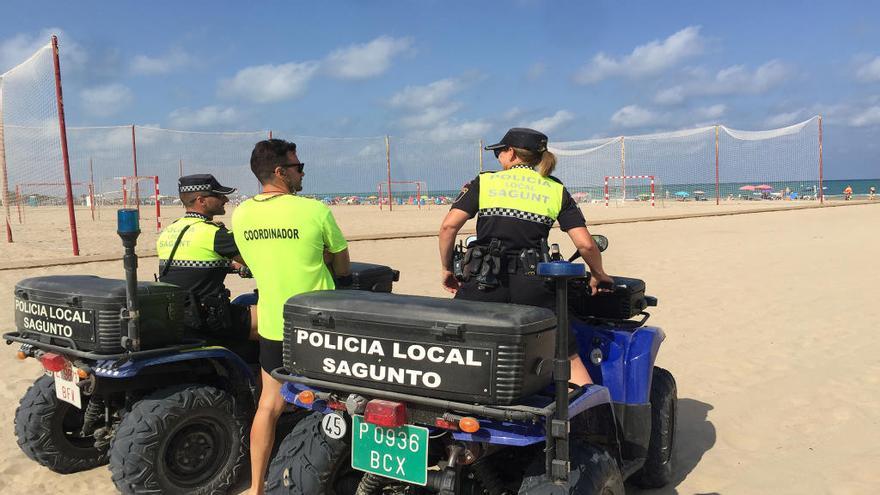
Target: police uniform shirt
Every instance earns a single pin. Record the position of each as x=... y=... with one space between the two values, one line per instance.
x=519 y=206
x=201 y=261
x=282 y=239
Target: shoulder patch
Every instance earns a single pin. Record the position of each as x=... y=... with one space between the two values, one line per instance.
x=461 y=194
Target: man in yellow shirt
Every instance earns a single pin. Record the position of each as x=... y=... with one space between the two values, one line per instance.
x=284 y=239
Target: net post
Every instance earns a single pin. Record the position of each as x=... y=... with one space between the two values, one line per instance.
x=623 y=164
x=717 y=179
x=92 y=189
x=480 y=154
x=180 y=168
x=388 y=161
x=821 y=190
x=64 y=156
x=5 y=176
x=606 y=191
x=134 y=158
x=158 y=210
x=419 y=194
x=18 y=202
x=379 y=195
x=270 y=133
x=124 y=194
x=652 y=191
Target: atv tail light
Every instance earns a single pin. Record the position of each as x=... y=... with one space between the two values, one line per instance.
x=385 y=413
x=446 y=425
x=82 y=374
x=469 y=424
x=53 y=362
x=306 y=397
x=336 y=405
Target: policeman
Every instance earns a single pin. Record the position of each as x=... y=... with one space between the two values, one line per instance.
x=288 y=241
x=515 y=209
x=197 y=253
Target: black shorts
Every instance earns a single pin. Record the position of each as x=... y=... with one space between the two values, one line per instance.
x=271 y=354
x=240 y=316
x=517 y=288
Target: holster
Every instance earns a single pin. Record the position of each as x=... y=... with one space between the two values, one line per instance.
x=209 y=313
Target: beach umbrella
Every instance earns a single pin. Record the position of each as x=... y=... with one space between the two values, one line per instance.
x=699 y=192
x=764 y=187
x=747 y=188
x=682 y=194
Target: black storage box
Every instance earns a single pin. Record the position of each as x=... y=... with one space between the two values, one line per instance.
x=625 y=301
x=375 y=278
x=468 y=351
x=86 y=310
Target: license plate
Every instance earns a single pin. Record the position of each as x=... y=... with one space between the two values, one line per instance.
x=66 y=387
x=398 y=453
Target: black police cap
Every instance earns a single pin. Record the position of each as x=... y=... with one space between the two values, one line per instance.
x=202 y=183
x=524 y=138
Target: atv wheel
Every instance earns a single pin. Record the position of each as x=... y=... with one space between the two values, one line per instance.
x=593 y=472
x=184 y=440
x=309 y=463
x=48 y=429
x=657 y=470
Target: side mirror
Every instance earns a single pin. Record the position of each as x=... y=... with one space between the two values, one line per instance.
x=601 y=241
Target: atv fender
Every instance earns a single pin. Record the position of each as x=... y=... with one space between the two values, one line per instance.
x=219 y=355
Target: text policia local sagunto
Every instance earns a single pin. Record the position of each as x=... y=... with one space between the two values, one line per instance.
x=375 y=349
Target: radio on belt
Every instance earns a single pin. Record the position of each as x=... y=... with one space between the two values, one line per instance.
x=458 y=350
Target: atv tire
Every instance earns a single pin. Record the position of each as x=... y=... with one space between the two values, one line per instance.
x=46 y=430
x=593 y=472
x=190 y=439
x=309 y=463
x=657 y=471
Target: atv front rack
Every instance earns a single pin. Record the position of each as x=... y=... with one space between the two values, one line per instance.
x=72 y=350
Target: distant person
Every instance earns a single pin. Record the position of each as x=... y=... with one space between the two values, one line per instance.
x=847 y=193
x=871 y=192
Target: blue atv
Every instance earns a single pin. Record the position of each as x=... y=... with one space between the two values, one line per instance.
x=127 y=384
x=419 y=395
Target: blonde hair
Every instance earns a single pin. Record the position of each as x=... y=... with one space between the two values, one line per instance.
x=543 y=162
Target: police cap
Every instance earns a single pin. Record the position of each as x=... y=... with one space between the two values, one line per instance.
x=523 y=138
x=202 y=183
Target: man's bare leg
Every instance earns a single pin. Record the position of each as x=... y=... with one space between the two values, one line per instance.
x=579 y=374
x=263 y=430
x=253 y=334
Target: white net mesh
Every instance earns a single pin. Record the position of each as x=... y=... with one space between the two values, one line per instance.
x=442 y=166
x=34 y=197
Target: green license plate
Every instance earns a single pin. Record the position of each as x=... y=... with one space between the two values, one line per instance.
x=398 y=453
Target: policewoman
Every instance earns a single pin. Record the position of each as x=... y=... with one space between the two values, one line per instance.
x=287 y=241
x=515 y=209
x=196 y=253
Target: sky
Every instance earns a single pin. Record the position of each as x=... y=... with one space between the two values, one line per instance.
x=451 y=69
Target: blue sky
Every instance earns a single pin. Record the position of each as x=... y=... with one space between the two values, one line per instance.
x=448 y=69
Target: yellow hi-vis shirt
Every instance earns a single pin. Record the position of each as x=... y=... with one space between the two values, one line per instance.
x=520 y=192
x=282 y=239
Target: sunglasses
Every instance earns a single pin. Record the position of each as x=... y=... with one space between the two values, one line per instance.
x=498 y=151
x=299 y=166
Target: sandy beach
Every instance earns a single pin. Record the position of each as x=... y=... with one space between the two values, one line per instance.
x=767 y=316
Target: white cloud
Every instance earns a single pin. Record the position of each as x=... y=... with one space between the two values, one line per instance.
x=551 y=123
x=868 y=117
x=210 y=116
x=785 y=119
x=269 y=83
x=536 y=71
x=163 y=64
x=633 y=116
x=447 y=131
x=20 y=47
x=869 y=71
x=712 y=112
x=431 y=94
x=736 y=79
x=645 y=60
x=430 y=116
x=362 y=61
x=106 y=100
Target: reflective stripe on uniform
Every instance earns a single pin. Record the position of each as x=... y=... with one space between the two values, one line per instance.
x=176 y=263
x=514 y=213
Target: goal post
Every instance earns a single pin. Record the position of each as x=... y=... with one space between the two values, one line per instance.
x=623 y=187
x=409 y=188
x=130 y=190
